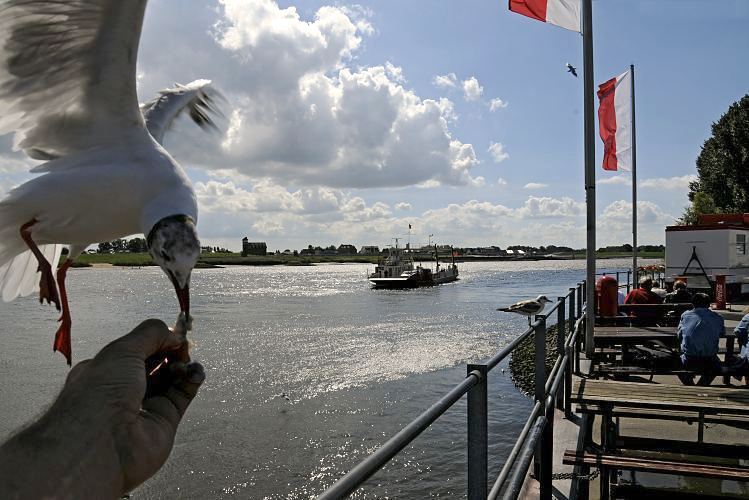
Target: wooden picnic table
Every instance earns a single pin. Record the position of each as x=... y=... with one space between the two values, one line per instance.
x=726 y=405
x=628 y=336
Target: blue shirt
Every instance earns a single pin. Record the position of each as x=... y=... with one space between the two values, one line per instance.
x=741 y=332
x=699 y=331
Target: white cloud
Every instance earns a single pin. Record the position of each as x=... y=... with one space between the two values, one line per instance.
x=540 y=207
x=445 y=81
x=535 y=185
x=472 y=90
x=647 y=213
x=300 y=111
x=497 y=150
x=680 y=183
x=623 y=180
x=403 y=206
x=501 y=182
x=496 y=104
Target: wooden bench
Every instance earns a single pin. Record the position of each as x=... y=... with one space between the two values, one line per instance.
x=660 y=414
x=643 y=462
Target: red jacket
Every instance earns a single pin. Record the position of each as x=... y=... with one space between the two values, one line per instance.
x=642 y=296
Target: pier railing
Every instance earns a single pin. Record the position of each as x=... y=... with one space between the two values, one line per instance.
x=535 y=442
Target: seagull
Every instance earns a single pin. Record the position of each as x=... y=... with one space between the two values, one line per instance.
x=68 y=92
x=528 y=307
x=571 y=69
x=284 y=396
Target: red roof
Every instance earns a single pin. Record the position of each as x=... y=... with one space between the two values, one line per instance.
x=715 y=221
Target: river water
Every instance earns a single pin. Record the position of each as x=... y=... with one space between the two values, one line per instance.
x=358 y=364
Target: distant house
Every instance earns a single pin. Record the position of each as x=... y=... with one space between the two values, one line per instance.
x=253 y=247
x=346 y=249
x=206 y=249
x=369 y=250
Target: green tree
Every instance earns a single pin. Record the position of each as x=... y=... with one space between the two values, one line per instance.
x=723 y=166
x=702 y=203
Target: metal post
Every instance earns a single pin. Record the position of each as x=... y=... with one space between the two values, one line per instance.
x=572 y=315
x=590 y=169
x=477 y=436
x=579 y=300
x=568 y=384
x=540 y=379
x=634 y=174
x=629 y=277
x=547 y=457
x=561 y=336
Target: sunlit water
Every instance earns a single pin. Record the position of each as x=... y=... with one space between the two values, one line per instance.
x=358 y=364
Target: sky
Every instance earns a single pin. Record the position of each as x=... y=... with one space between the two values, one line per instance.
x=346 y=122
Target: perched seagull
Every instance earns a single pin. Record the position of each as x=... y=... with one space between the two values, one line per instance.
x=571 y=69
x=67 y=90
x=528 y=308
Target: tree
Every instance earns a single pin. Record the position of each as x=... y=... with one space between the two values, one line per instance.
x=104 y=247
x=136 y=245
x=723 y=166
x=702 y=203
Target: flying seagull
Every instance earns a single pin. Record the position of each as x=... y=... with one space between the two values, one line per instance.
x=528 y=308
x=571 y=69
x=68 y=92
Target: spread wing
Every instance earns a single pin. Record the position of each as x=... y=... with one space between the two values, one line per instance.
x=67 y=73
x=197 y=98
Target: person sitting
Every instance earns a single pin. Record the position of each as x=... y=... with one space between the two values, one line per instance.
x=740 y=364
x=680 y=295
x=644 y=295
x=699 y=331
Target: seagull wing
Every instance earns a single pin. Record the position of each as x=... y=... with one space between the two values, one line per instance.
x=67 y=73
x=197 y=98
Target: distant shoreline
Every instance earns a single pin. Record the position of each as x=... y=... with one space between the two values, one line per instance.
x=208 y=261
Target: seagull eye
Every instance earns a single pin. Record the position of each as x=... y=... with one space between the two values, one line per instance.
x=165 y=256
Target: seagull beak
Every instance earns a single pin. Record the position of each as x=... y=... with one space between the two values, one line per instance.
x=183 y=295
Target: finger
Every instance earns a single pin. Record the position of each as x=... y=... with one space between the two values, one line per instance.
x=148 y=338
x=173 y=404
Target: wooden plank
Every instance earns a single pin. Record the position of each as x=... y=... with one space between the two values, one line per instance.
x=677 y=397
x=724 y=452
x=661 y=414
x=658 y=466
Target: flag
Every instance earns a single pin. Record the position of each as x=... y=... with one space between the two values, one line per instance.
x=615 y=122
x=562 y=13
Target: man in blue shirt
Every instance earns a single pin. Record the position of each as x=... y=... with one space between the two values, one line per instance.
x=699 y=332
x=740 y=365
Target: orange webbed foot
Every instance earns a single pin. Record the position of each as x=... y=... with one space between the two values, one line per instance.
x=62 y=338
x=48 y=287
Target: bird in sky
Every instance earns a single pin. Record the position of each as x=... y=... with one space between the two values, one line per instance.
x=68 y=92
x=571 y=69
x=528 y=308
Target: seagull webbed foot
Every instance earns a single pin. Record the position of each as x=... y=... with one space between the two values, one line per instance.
x=47 y=286
x=62 y=337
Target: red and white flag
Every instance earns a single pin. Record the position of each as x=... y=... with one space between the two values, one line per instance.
x=563 y=13
x=615 y=122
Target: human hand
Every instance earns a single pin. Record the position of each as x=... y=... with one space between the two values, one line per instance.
x=101 y=438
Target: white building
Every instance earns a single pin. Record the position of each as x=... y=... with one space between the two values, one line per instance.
x=715 y=246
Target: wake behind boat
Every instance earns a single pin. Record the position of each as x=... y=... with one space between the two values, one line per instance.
x=397 y=270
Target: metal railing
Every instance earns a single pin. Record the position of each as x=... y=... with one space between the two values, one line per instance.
x=535 y=440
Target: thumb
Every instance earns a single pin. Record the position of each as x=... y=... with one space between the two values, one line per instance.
x=148 y=338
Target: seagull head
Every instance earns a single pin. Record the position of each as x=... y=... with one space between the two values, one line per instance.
x=543 y=299
x=173 y=244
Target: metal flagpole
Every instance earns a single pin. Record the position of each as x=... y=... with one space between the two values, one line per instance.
x=590 y=173
x=634 y=179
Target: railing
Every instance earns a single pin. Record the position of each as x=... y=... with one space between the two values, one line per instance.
x=536 y=438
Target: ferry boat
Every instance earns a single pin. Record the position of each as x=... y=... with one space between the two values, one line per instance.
x=397 y=270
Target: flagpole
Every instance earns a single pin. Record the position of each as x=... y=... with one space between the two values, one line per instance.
x=634 y=179
x=590 y=173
